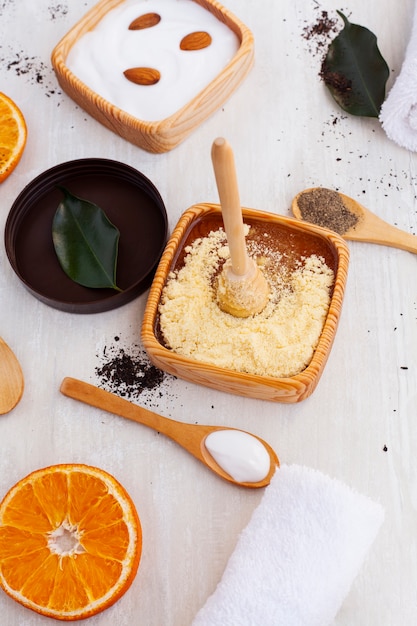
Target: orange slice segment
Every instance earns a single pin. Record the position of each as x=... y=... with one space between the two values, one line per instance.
x=70 y=541
x=13 y=133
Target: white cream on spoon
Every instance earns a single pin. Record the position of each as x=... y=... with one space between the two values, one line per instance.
x=239 y=454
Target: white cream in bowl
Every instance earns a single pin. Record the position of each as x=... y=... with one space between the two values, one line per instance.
x=100 y=57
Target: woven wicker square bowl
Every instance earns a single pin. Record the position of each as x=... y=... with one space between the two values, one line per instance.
x=165 y=134
x=197 y=222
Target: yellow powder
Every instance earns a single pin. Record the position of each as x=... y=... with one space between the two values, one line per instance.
x=277 y=342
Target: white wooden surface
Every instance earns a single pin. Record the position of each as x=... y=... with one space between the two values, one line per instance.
x=287 y=135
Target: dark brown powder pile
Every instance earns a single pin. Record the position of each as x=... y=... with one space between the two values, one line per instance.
x=128 y=375
x=337 y=82
x=325 y=208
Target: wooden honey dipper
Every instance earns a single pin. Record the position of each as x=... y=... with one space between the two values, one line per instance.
x=242 y=289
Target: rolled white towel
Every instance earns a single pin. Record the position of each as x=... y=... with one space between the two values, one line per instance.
x=295 y=561
x=398 y=114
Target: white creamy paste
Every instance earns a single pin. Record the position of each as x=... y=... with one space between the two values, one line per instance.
x=101 y=55
x=240 y=454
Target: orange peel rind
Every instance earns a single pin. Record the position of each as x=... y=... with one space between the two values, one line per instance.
x=13 y=134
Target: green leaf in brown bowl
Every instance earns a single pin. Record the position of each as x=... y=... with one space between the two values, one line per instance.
x=354 y=70
x=86 y=242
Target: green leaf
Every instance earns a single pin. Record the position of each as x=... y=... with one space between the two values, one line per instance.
x=86 y=242
x=354 y=70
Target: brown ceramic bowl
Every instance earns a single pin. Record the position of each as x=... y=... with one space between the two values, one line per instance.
x=197 y=222
x=160 y=135
x=131 y=202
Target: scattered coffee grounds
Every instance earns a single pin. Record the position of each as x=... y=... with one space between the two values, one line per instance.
x=31 y=69
x=128 y=374
x=4 y=4
x=24 y=65
x=319 y=34
x=325 y=208
x=58 y=10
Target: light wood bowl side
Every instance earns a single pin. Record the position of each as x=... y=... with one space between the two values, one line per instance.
x=163 y=135
x=286 y=390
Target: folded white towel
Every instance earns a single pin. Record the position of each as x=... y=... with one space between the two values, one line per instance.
x=295 y=561
x=399 y=112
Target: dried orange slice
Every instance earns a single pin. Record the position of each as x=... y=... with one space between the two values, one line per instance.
x=70 y=541
x=13 y=133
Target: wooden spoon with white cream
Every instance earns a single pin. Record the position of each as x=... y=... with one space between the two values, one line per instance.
x=242 y=288
x=235 y=455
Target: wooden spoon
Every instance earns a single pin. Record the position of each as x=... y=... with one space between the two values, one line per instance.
x=11 y=379
x=189 y=436
x=369 y=227
x=242 y=289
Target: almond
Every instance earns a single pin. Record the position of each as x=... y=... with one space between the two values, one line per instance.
x=142 y=75
x=145 y=21
x=195 y=41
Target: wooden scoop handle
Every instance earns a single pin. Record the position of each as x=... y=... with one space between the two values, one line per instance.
x=226 y=180
x=189 y=436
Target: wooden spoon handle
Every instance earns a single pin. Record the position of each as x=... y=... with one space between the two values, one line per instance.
x=373 y=229
x=187 y=435
x=376 y=230
x=226 y=180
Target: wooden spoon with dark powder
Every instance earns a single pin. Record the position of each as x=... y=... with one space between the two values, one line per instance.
x=347 y=217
